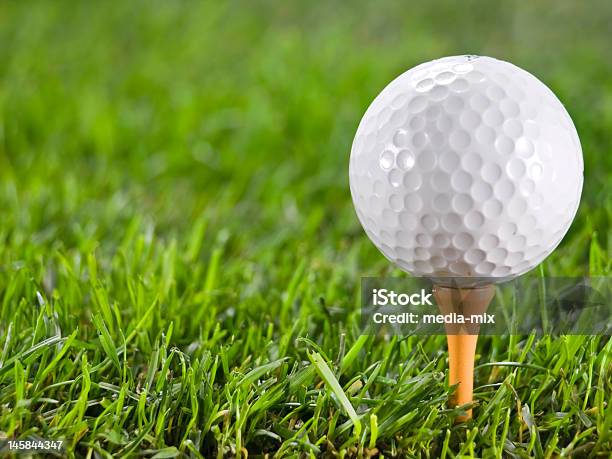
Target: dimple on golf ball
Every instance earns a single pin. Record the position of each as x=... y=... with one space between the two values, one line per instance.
x=466 y=166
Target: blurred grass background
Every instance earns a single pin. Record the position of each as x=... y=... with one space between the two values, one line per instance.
x=174 y=187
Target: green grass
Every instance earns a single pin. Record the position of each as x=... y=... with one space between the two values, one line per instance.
x=180 y=260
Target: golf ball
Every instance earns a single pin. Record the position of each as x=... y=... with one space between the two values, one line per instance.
x=466 y=166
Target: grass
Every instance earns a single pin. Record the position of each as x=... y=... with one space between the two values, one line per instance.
x=180 y=260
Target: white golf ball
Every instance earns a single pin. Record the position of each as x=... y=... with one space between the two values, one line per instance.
x=466 y=166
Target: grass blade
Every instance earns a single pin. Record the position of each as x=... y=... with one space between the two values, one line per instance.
x=332 y=383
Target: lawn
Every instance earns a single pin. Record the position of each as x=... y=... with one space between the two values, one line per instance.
x=180 y=261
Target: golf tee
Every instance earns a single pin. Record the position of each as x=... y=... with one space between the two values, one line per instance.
x=461 y=355
x=462 y=338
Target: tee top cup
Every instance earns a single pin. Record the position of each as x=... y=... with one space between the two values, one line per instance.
x=466 y=168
